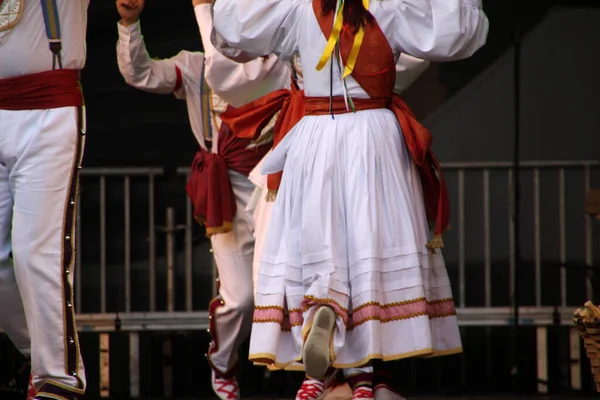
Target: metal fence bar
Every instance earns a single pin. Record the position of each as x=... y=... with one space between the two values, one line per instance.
x=170 y=258
x=537 y=237
x=512 y=252
x=575 y=353
x=487 y=268
x=461 y=239
x=563 y=236
x=120 y=172
x=151 y=245
x=486 y=239
x=168 y=367
x=523 y=164
x=542 y=358
x=163 y=321
x=104 y=349
x=134 y=365
x=127 y=211
x=589 y=290
x=102 y=243
x=188 y=253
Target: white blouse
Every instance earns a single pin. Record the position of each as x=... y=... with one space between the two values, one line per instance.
x=434 y=30
x=24 y=48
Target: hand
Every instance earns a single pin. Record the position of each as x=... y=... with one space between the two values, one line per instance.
x=198 y=2
x=130 y=10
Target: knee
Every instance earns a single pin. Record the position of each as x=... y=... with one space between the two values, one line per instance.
x=248 y=301
x=244 y=303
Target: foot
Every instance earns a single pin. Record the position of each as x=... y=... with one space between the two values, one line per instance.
x=225 y=389
x=316 y=357
x=363 y=392
x=30 y=389
x=311 y=389
x=385 y=392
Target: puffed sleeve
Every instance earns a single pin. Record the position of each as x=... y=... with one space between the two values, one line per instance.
x=234 y=82
x=440 y=30
x=257 y=27
x=136 y=66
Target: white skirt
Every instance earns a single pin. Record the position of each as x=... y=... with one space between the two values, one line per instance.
x=348 y=229
x=260 y=209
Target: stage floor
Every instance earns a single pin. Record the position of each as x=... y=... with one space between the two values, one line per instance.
x=490 y=397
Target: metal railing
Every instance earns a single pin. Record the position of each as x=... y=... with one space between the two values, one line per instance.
x=152 y=253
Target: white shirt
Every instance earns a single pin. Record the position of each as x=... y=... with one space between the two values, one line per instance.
x=24 y=49
x=230 y=81
x=435 y=30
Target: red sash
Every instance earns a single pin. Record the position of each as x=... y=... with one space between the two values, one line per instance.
x=375 y=72
x=41 y=91
x=209 y=187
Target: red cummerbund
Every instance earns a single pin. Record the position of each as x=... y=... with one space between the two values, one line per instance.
x=44 y=90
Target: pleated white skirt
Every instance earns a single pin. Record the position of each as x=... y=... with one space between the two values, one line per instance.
x=348 y=229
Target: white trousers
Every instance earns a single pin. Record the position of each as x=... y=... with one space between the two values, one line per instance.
x=40 y=154
x=231 y=311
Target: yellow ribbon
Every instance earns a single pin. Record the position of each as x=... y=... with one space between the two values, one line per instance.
x=334 y=37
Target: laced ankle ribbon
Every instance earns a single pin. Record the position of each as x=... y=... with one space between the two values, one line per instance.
x=310 y=389
x=227 y=387
x=363 y=393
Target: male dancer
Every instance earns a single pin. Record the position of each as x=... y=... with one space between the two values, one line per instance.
x=198 y=78
x=41 y=147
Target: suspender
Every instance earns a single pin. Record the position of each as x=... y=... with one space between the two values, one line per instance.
x=205 y=105
x=52 y=23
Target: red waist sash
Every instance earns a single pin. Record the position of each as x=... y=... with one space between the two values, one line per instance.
x=209 y=187
x=251 y=118
x=41 y=91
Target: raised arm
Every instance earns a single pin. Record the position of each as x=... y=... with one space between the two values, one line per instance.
x=136 y=66
x=440 y=30
x=237 y=83
x=259 y=27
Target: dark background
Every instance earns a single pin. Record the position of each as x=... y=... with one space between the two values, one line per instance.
x=127 y=127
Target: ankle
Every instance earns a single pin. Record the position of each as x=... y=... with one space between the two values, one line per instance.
x=360 y=380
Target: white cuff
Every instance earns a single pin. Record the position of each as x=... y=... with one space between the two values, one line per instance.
x=133 y=31
x=475 y=3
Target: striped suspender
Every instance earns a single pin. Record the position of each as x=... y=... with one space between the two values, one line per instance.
x=52 y=23
x=205 y=107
